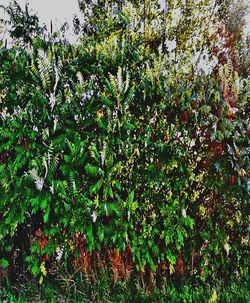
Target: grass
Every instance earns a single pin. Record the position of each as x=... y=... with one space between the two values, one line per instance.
x=105 y=290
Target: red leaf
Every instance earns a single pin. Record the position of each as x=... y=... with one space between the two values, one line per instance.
x=221 y=148
x=26 y=145
x=206 y=163
x=186 y=116
x=158 y=164
x=166 y=137
x=230 y=115
x=179 y=267
x=38 y=233
x=233 y=180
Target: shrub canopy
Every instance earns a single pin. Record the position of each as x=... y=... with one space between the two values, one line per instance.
x=124 y=143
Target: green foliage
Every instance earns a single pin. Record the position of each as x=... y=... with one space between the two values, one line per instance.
x=124 y=146
x=4 y=263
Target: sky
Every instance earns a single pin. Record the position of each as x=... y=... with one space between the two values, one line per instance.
x=60 y=10
x=247 y=30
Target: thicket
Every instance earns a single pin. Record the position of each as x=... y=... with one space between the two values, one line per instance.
x=121 y=153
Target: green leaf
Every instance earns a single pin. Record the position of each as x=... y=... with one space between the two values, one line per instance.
x=90 y=238
x=189 y=222
x=113 y=208
x=171 y=258
x=4 y=263
x=35 y=270
x=151 y=262
x=117 y=185
x=180 y=236
x=101 y=233
x=44 y=204
x=46 y=215
x=106 y=101
x=91 y=170
x=95 y=187
x=41 y=280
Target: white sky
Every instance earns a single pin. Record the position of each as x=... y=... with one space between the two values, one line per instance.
x=248 y=23
x=60 y=10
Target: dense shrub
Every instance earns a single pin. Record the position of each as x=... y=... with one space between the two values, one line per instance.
x=112 y=153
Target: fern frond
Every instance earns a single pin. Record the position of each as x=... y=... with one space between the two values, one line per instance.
x=119 y=80
x=5 y=133
x=112 y=86
x=45 y=71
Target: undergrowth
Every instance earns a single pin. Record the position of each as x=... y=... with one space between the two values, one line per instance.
x=104 y=290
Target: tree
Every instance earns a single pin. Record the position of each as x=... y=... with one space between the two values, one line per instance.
x=24 y=25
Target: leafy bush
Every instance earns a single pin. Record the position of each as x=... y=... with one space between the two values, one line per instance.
x=110 y=155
